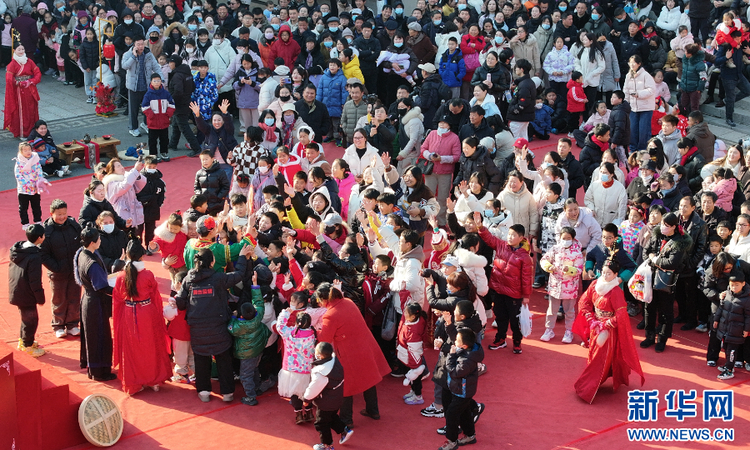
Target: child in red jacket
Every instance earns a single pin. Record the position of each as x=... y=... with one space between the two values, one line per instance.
x=576 y=100
x=158 y=107
x=411 y=332
x=179 y=330
x=170 y=241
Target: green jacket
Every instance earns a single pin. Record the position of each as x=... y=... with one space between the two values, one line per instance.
x=222 y=253
x=693 y=69
x=250 y=336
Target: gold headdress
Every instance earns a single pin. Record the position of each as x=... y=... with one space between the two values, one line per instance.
x=16 y=39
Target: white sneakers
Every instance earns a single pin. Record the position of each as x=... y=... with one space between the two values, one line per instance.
x=75 y=331
x=228 y=397
x=205 y=396
x=549 y=334
x=61 y=333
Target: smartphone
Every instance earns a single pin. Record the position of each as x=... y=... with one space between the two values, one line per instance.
x=489 y=77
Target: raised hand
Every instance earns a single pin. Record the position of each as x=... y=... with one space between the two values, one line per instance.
x=247 y=250
x=433 y=221
x=449 y=204
x=195 y=109
x=289 y=190
x=478 y=218
x=463 y=186
x=224 y=106
x=386 y=159
x=371 y=236
x=255 y=278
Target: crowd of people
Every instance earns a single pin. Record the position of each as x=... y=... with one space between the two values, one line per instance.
x=435 y=225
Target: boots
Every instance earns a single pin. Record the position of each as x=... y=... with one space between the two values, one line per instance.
x=309 y=416
x=641 y=325
x=661 y=343
x=299 y=418
x=649 y=341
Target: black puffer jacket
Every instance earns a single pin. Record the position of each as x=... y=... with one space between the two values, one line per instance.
x=214 y=184
x=619 y=124
x=480 y=161
x=733 y=316
x=499 y=76
x=89 y=54
x=60 y=245
x=576 y=176
x=350 y=271
x=110 y=249
x=25 y=275
x=462 y=368
x=152 y=195
x=590 y=158
x=521 y=107
x=204 y=295
x=438 y=296
x=91 y=210
x=448 y=334
x=673 y=254
x=712 y=286
x=181 y=88
x=431 y=94
x=698 y=231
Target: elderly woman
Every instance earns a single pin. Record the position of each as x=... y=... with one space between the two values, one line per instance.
x=121 y=188
x=219 y=137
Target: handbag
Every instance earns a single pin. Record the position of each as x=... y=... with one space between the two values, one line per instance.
x=471 y=61
x=664 y=280
x=425 y=166
x=388 y=329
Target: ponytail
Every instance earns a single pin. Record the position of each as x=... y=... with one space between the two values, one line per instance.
x=134 y=252
x=202 y=260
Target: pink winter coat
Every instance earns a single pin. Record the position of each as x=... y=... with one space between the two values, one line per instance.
x=724 y=189
x=448 y=146
x=121 y=193
x=563 y=285
x=345 y=191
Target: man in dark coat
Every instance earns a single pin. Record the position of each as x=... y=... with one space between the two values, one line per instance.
x=477 y=126
x=181 y=87
x=686 y=291
x=127 y=26
x=313 y=112
x=432 y=93
x=521 y=109
x=369 y=50
x=566 y=30
x=25 y=285
x=591 y=155
x=457 y=112
x=619 y=121
x=479 y=161
x=632 y=43
x=709 y=212
x=571 y=165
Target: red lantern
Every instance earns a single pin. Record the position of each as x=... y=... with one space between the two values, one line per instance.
x=108 y=51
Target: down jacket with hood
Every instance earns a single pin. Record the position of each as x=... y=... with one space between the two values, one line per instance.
x=448 y=334
x=214 y=184
x=528 y=50
x=480 y=161
x=121 y=192
x=733 y=316
x=204 y=295
x=462 y=368
x=332 y=92
x=512 y=269
x=704 y=139
x=405 y=271
x=644 y=88
x=219 y=57
x=523 y=207
x=288 y=50
x=250 y=335
x=357 y=165
x=25 y=275
x=521 y=107
x=130 y=65
x=474 y=264
x=619 y=124
x=410 y=136
x=499 y=77
x=588 y=231
x=591 y=71
x=591 y=157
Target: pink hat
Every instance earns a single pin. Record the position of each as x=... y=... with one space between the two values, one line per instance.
x=42 y=6
x=112 y=13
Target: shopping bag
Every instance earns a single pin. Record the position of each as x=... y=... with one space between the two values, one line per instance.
x=640 y=284
x=525 y=320
x=388 y=329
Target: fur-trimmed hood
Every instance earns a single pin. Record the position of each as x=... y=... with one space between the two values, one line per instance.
x=183 y=29
x=112 y=177
x=470 y=259
x=415 y=112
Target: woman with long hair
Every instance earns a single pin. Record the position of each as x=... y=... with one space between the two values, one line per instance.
x=640 y=90
x=589 y=60
x=140 y=336
x=418 y=201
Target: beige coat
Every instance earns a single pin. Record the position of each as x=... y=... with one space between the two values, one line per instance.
x=522 y=206
x=528 y=50
x=644 y=88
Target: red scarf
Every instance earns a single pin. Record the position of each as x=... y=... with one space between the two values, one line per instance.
x=687 y=155
x=270 y=131
x=602 y=145
x=609 y=183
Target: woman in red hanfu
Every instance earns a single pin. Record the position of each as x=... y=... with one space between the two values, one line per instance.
x=604 y=325
x=140 y=336
x=21 y=97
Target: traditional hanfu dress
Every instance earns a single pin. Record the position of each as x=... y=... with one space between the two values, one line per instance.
x=96 y=309
x=603 y=323
x=141 y=345
x=21 y=97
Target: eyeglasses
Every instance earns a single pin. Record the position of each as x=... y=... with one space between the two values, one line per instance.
x=358 y=138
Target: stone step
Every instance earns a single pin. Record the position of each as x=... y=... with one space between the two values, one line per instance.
x=722 y=131
x=741 y=114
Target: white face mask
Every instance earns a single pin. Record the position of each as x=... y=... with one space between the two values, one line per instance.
x=269 y=35
x=646 y=178
x=241 y=51
x=150 y=170
x=441 y=131
x=538 y=105
x=190 y=50
x=566 y=243
x=263 y=169
x=108 y=228
x=217 y=42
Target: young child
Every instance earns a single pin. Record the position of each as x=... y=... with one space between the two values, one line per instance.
x=541 y=127
x=240 y=185
x=326 y=391
x=576 y=101
x=151 y=196
x=164 y=65
x=732 y=322
x=239 y=213
x=631 y=228
x=376 y=290
x=30 y=183
x=402 y=59
x=678 y=44
x=179 y=331
x=169 y=240
x=662 y=88
x=247 y=90
x=250 y=337
x=601 y=115
x=496 y=218
x=724 y=40
x=287 y=165
x=88 y=61
x=26 y=289
x=198 y=208
x=564 y=262
x=703 y=271
x=723 y=184
x=158 y=107
x=694 y=81
x=299 y=354
x=263 y=177
x=724 y=230
x=245 y=156
x=409 y=351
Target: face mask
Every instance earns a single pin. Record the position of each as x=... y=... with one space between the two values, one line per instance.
x=594 y=16
x=664 y=229
x=263 y=169
x=154 y=38
x=400 y=11
x=620 y=20
x=241 y=51
x=499 y=40
x=289 y=119
x=562 y=8
x=128 y=21
x=461 y=7
x=646 y=178
x=398 y=44
x=319 y=28
x=61 y=9
x=402 y=112
x=687 y=11
x=488 y=213
x=349 y=40
x=538 y=105
x=269 y=121
x=260 y=80
x=328 y=44
x=333 y=29
x=442 y=131
x=150 y=170
x=193 y=72
x=108 y=228
x=605 y=177
x=217 y=42
x=566 y=243
x=437 y=22
x=190 y=50
x=546 y=26
x=192 y=27
x=676 y=177
x=269 y=36
x=285 y=98
x=275 y=26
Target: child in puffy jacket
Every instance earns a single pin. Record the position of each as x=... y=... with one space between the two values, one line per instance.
x=732 y=321
x=541 y=127
x=409 y=351
x=30 y=183
x=576 y=100
x=723 y=184
x=158 y=107
x=299 y=354
x=723 y=35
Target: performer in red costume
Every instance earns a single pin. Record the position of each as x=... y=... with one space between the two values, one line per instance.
x=604 y=325
x=21 y=97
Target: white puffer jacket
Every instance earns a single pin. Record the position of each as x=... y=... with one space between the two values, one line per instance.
x=474 y=265
x=669 y=19
x=644 y=88
x=591 y=71
x=610 y=205
x=219 y=57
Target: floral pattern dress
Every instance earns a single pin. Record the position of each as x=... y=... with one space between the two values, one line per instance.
x=299 y=354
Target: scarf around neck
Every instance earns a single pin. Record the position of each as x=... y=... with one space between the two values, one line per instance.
x=603 y=287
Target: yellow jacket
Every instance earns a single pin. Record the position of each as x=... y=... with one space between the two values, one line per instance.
x=352 y=70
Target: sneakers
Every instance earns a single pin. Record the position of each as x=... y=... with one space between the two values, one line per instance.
x=145 y=129
x=90 y=100
x=481 y=369
x=494 y=324
x=322 y=447
x=33 y=350
x=726 y=375
x=327 y=139
x=228 y=397
x=731 y=123
x=441 y=431
x=60 y=174
x=135 y=133
x=253 y=401
x=205 y=396
x=738 y=364
x=432 y=411
x=570 y=135
x=75 y=331
x=177 y=378
x=517 y=349
x=479 y=411
x=410 y=394
x=747 y=366
x=449 y=445
x=497 y=345
x=568 y=338
x=415 y=400
x=61 y=333
x=537 y=285
x=548 y=335
x=467 y=440
x=711 y=363
x=346 y=435
x=701 y=328
x=165 y=157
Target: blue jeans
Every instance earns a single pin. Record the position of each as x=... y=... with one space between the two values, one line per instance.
x=730 y=89
x=249 y=375
x=640 y=130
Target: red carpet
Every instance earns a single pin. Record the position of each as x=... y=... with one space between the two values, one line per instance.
x=530 y=399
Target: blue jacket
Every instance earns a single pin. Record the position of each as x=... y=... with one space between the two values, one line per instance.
x=452 y=68
x=205 y=94
x=727 y=73
x=543 y=119
x=332 y=92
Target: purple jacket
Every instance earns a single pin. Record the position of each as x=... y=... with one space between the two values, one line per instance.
x=121 y=190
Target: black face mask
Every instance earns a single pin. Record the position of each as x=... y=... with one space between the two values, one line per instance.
x=260 y=80
x=285 y=98
x=154 y=39
x=402 y=112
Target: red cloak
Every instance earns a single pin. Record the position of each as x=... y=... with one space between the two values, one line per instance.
x=141 y=349
x=617 y=356
x=21 y=103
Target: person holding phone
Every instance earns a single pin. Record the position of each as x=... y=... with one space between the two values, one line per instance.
x=139 y=63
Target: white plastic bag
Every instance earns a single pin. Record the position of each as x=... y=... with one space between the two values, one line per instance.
x=170 y=311
x=641 y=283
x=525 y=320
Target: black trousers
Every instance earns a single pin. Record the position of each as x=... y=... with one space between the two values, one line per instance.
x=24 y=200
x=591 y=94
x=662 y=306
x=371 y=405
x=148 y=231
x=686 y=294
x=506 y=311
x=162 y=136
x=733 y=353
x=574 y=120
x=702 y=25
x=223 y=366
x=559 y=87
x=180 y=126
x=135 y=99
x=371 y=80
x=29 y=324
x=73 y=73
x=457 y=413
x=325 y=421
x=714 y=344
